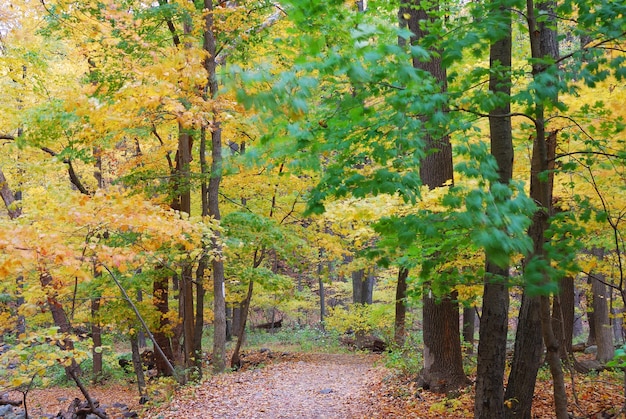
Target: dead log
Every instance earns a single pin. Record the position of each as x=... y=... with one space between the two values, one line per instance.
x=270 y=325
x=4 y=400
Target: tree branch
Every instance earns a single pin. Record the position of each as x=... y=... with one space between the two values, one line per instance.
x=222 y=53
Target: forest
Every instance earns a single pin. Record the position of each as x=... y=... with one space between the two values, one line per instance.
x=442 y=181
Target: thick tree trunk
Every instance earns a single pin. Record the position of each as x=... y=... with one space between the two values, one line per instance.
x=489 y=401
x=399 y=333
x=526 y=360
x=443 y=358
x=443 y=362
x=362 y=287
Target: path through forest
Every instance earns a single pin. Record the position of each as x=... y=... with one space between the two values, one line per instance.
x=314 y=386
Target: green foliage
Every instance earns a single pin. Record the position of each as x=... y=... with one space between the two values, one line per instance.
x=299 y=339
x=406 y=360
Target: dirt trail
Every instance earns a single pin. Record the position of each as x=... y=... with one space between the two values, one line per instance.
x=316 y=386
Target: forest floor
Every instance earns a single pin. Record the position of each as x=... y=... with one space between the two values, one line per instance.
x=356 y=385
x=320 y=385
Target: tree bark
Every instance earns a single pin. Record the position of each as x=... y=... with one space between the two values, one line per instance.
x=96 y=337
x=137 y=366
x=199 y=320
x=188 y=316
x=469 y=327
x=543 y=44
x=9 y=199
x=443 y=358
x=526 y=360
x=399 y=333
x=491 y=360
x=219 y=300
x=362 y=287
x=235 y=361
x=443 y=362
x=320 y=281
x=160 y=299
x=603 y=329
x=563 y=316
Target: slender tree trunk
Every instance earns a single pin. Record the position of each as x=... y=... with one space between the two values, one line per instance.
x=563 y=316
x=489 y=401
x=96 y=336
x=469 y=326
x=199 y=320
x=188 y=316
x=604 y=332
x=219 y=300
x=59 y=316
x=591 y=318
x=160 y=296
x=235 y=361
x=320 y=281
x=399 y=332
x=137 y=365
x=141 y=335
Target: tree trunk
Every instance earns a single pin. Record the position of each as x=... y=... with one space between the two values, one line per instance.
x=160 y=296
x=489 y=401
x=469 y=326
x=591 y=318
x=96 y=336
x=443 y=362
x=443 y=358
x=543 y=44
x=235 y=361
x=141 y=335
x=578 y=319
x=219 y=300
x=137 y=365
x=604 y=332
x=399 y=333
x=563 y=316
x=11 y=203
x=362 y=287
x=188 y=316
x=199 y=320
x=320 y=281
x=526 y=360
